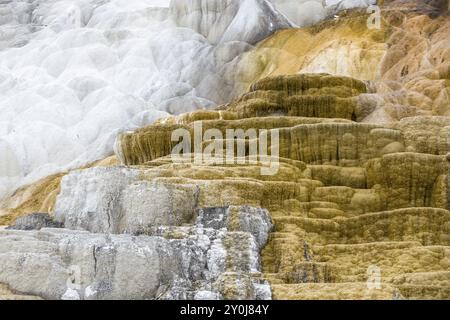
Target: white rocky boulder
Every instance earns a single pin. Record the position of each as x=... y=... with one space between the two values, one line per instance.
x=191 y=262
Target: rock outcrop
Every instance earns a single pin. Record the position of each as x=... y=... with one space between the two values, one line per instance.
x=351 y=204
x=75 y=73
x=351 y=199
x=216 y=257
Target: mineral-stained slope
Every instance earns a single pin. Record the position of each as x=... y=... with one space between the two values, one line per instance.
x=74 y=73
x=198 y=262
x=406 y=59
x=358 y=208
x=357 y=196
x=351 y=204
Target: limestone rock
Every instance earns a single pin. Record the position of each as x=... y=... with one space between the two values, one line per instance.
x=350 y=198
x=90 y=203
x=85 y=265
x=427 y=134
x=256 y=221
x=92 y=69
x=150 y=204
x=359 y=205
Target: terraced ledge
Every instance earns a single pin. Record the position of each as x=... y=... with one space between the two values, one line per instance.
x=362 y=196
x=355 y=211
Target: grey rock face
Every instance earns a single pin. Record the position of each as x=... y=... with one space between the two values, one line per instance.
x=126 y=238
x=35 y=221
x=52 y=263
x=255 y=221
x=68 y=264
x=215 y=218
x=118 y=203
x=147 y=204
x=91 y=199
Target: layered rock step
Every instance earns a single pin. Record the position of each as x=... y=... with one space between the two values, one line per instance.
x=354 y=210
x=215 y=256
x=379 y=193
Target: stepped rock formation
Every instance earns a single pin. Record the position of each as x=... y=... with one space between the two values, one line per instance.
x=406 y=59
x=347 y=197
x=356 y=121
x=75 y=73
x=204 y=261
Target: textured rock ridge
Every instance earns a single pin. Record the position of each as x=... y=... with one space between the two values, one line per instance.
x=74 y=73
x=349 y=197
x=215 y=258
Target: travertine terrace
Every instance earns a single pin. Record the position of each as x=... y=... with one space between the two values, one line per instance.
x=359 y=208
